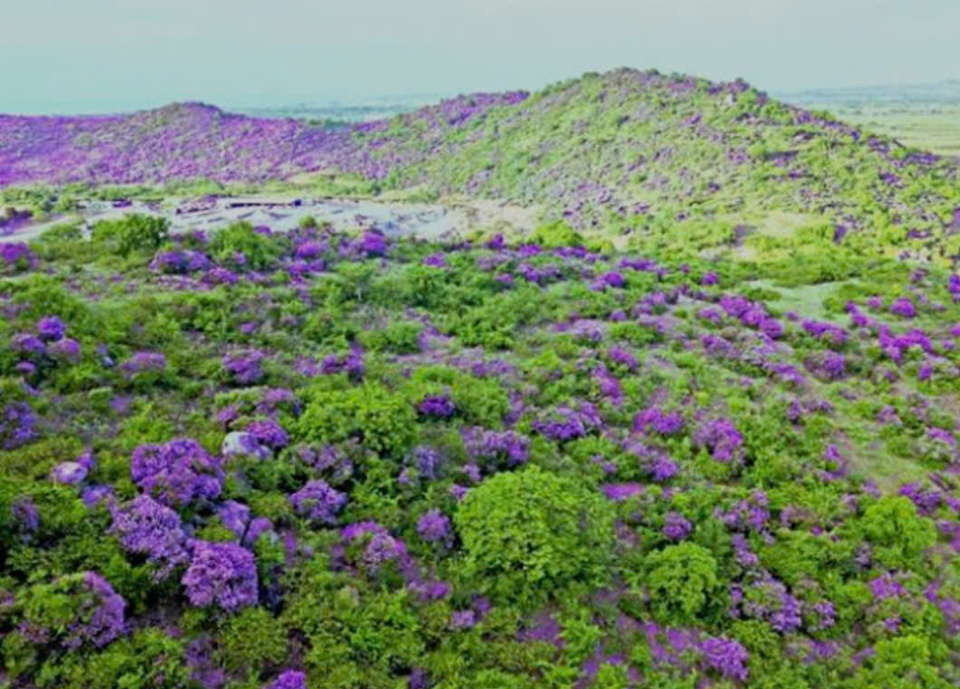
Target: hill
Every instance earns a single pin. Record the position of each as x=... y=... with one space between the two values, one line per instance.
x=620 y=151
x=254 y=455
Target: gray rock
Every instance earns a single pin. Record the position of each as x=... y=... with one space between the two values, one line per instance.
x=238 y=443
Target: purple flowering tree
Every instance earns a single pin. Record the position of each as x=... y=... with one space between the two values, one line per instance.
x=221 y=574
x=176 y=472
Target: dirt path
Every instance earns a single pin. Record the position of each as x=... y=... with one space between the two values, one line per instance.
x=281 y=214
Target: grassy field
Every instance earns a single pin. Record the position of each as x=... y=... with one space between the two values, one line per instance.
x=936 y=130
x=923 y=115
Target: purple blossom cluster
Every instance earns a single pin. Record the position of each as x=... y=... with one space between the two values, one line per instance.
x=16 y=256
x=351 y=364
x=237 y=518
x=656 y=420
x=437 y=406
x=176 y=472
x=144 y=362
x=727 y=657
x=289 y=679
x=179 y=262
x=767 y=599
x=495 y=446
x=102 y=619
x=566 y=423
x=434 y=527
x=318 y=502
x=221 y=574
x=145 y=527
x=721 y=438
x=18 y=425
x=380 y=546
x=245 y=368
x=269 y=433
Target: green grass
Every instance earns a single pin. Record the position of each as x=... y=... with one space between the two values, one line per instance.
x=936 y=130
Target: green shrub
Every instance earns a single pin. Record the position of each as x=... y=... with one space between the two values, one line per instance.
x=683 y=581
x=527 y=534
x=259 y=251
x=898 y=534
x=382 y=420
x=132 y=233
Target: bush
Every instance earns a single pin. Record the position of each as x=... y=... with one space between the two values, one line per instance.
x=682 y=581
x=241 y=247
x=898 y=535
x=382 y=420
x=133 y=233
x=529 y=533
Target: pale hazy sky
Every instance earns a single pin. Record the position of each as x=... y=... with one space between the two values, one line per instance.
x=110 y=55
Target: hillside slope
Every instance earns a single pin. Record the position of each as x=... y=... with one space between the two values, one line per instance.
x=623 y=151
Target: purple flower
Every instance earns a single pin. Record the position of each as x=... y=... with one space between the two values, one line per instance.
x=381 y=547
x=623 y=358
x=884 y=587
x=437 y=406
x=24 y=512
x=437 y=260
x=179 y=262
x=176 y=472
x=903 y=307
x=942 y=436
x=418 y=678
x=621 y=491
x=825 y=613
x=290 y=679
x=463 y=619
x=565 y=423
x=106 y=622
x=18 y=255
x=434 y=527
x=24 y=343
x=373 y=243
x=18 y=425
x=496 y=243
x=726 y=656
x=609 y=386
x=318 y=502
x=308 y=250
x=269 y=433
x=663 y=469
x=613 y=279
x=654 y=419
x=93 y=496
x=65 y=349
x=772 y=328
x=834 y=365
x=145 y=527
x=676 y=527
x=508 y=446
x=222 y=574
x=51 y=328
x=245 y=368
x=721 y=437
x=145 y=362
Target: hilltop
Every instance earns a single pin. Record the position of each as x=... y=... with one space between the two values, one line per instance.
x=619 y=153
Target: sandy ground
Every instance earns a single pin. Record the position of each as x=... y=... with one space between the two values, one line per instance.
x=393 y=218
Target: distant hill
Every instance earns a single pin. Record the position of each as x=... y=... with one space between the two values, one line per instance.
x=621 y=151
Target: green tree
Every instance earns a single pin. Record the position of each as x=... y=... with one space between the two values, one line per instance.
x=527 y=534
x=898 y=534
x=681 y=580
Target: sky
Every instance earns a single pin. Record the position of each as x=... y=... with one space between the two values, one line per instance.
x=84 y=56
